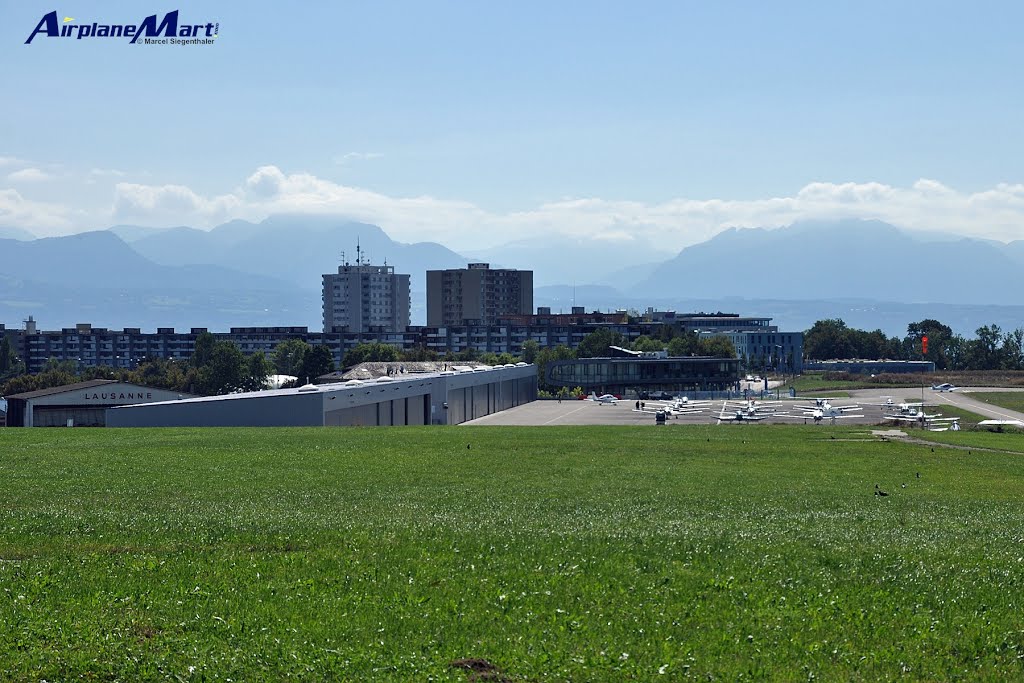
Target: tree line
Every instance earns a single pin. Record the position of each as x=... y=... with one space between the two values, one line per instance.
x=990 y=349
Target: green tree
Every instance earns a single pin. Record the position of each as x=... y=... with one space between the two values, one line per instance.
x=530 y=350
x=717 y=346
x=258 y=369
x=1013 y=350
x=287 y=356
x=828 y=339
x=685 y=344
x=226 y=371
x=986 y=350
x=202 y=355
x=163 y=373
x=595 y=344
x=419 y=354
x=645 y=343
x=370 y=352
x=320 y=361
x=939 y=337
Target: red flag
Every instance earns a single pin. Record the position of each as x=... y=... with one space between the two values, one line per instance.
x=924 y=346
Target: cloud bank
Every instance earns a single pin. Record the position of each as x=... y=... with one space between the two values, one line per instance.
x=994 y=213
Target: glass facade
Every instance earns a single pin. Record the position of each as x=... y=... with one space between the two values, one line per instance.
x=623 y=374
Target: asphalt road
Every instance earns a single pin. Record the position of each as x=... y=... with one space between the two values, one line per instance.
x=961 y=398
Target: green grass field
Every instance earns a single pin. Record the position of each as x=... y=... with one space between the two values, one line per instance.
x=576 y=553
x=1011 y=400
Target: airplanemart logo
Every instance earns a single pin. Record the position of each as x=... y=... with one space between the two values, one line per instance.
x=168 y=31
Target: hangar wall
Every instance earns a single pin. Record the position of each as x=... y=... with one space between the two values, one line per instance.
x=435 y=398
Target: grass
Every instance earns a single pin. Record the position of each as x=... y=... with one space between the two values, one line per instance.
x=1011 y=400
x=576 y=553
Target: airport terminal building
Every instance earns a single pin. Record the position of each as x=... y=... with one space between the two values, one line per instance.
x=618 y=375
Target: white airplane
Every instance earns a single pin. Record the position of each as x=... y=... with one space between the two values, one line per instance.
x=739 y=416
x=945 y=386
x=824 y=408
x=999 y=424
x=684 y=401
x=680 y=406
x=603 y=398
x=932 y=422
x=752 y=406
x=903 y=408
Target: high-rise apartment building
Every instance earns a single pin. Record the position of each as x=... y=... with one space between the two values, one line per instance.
x=477 y=294
x=366 y=298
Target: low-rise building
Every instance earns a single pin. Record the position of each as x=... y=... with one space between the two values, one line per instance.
x=449 y=397
x=870 y=367
x=643 y=372
x=83 y=404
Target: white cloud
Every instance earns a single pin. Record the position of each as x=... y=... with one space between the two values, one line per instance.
x=162 y=203
x=40 y=218
x=995 y=213
x=349 y=157
x=11 y=161
x=29 y=175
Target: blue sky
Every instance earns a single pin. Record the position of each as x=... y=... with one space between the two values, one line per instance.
x=475 y=122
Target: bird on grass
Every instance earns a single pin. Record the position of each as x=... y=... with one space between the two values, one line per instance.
x=880 y=492
x=467 y=446
x=918 y=475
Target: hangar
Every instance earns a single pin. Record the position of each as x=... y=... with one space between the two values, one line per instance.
x=450 y=397
x=83 y=404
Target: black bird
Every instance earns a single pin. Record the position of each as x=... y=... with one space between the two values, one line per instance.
x=880 y=492
x=933 y=450
x=918 y=475
x=903 y=486
x=467 y=446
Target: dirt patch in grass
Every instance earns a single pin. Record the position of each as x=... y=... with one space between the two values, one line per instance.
x=480 y=670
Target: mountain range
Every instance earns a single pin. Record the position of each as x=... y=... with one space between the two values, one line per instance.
x=870 y=273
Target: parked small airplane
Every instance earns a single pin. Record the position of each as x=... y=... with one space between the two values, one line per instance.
x=945 y=386
x=824 y=408
x=753 y=406
x=603 y=398
x=739 y=416
x=934 y=422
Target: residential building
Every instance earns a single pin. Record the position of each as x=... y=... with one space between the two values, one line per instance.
x=755 y=339
x=477 y=295
x=365 y=298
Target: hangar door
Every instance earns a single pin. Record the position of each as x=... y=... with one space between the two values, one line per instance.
x=82 y=416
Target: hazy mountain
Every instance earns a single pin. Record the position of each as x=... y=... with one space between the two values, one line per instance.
x=95 y=277
x=846 y=259
x=871 y=274
x=1015 y=250
x=15 y=234
x=562 y=298
x=299 y=249
x=101 y=258
x=566 y=260
x=131 y=233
